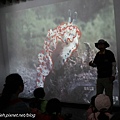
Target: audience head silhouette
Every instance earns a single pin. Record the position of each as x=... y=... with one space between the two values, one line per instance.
x=13 y=86
x=39 y=93
x=103 y=103
x=38 y=102
x=53 y=106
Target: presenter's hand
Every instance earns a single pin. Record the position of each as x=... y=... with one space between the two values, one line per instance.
x=90 y=63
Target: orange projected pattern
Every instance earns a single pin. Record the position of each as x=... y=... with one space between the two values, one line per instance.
x=59 y=45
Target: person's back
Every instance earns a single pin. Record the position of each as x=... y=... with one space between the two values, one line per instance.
x=102 y=104
x=9 y=101
x=53 y=111
x=39 y=102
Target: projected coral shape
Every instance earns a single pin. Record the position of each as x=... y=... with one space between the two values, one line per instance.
x=59 y=45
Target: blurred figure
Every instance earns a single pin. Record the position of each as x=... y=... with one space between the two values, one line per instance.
x=53 y=106
x=39 y=102
x=102 y=105
x=53 y=111
x=106 y=68
x=9 y=101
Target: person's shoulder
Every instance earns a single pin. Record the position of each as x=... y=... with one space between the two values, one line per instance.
x=43 y=100
x=109 y=51
x=21 y=107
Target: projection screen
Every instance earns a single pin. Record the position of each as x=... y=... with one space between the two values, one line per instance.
x=51 y=43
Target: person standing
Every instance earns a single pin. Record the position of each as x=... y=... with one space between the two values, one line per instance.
x=106 y=68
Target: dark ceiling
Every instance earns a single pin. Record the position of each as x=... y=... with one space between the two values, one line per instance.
x=4 y=3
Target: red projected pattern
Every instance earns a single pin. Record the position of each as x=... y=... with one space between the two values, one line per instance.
x=59 y=45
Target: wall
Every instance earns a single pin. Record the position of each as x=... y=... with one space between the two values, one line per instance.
x=2 y=63
x=117 y=24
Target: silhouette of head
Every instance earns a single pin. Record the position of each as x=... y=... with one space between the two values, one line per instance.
x=39 y=93
x=53 y=106
x=13 y=83
x=101 y=44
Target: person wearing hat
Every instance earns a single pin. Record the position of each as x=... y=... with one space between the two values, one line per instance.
x=106 y=68
x=102 y=104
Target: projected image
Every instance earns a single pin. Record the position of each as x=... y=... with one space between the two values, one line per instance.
x=50 y=46
x=59 y=46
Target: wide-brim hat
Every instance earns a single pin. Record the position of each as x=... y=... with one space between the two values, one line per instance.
x=102 y=102
x=101 y=41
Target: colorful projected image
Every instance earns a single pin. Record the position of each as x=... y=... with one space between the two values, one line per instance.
x=51 y=46
x=58 y=48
